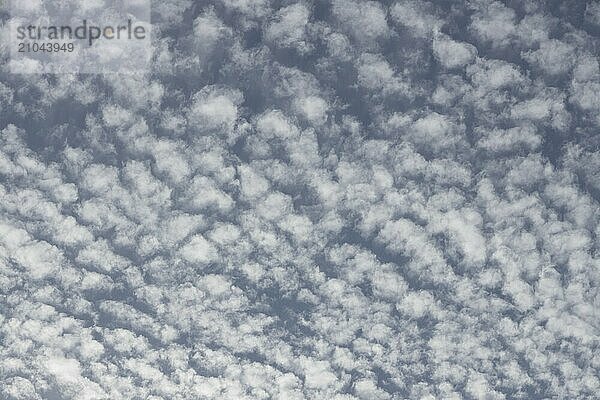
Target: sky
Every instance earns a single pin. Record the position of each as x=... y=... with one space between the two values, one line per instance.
x=329 y=200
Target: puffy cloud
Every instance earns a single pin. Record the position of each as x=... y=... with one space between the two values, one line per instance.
x=289 y=28
x=313 y=108
x=199 y=251
x=209 y=32
x=453 y=54
x=489 y=75
x=510 y=140
x=434 y=132
x=416 y=18
x=365 y=21
x=377 y=75
x=553 y=57
x=354 y=200
x=493 y=23
x=215 y=111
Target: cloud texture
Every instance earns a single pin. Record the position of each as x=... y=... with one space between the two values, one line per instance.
x=310 y=200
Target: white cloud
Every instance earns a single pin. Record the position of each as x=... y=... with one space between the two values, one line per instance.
x=453 y=54
x=365 y=21
x=199 y=251
x=553 y=57
x=355 y=200
x=289 y=28
x=415 y=17
x=494 y=23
